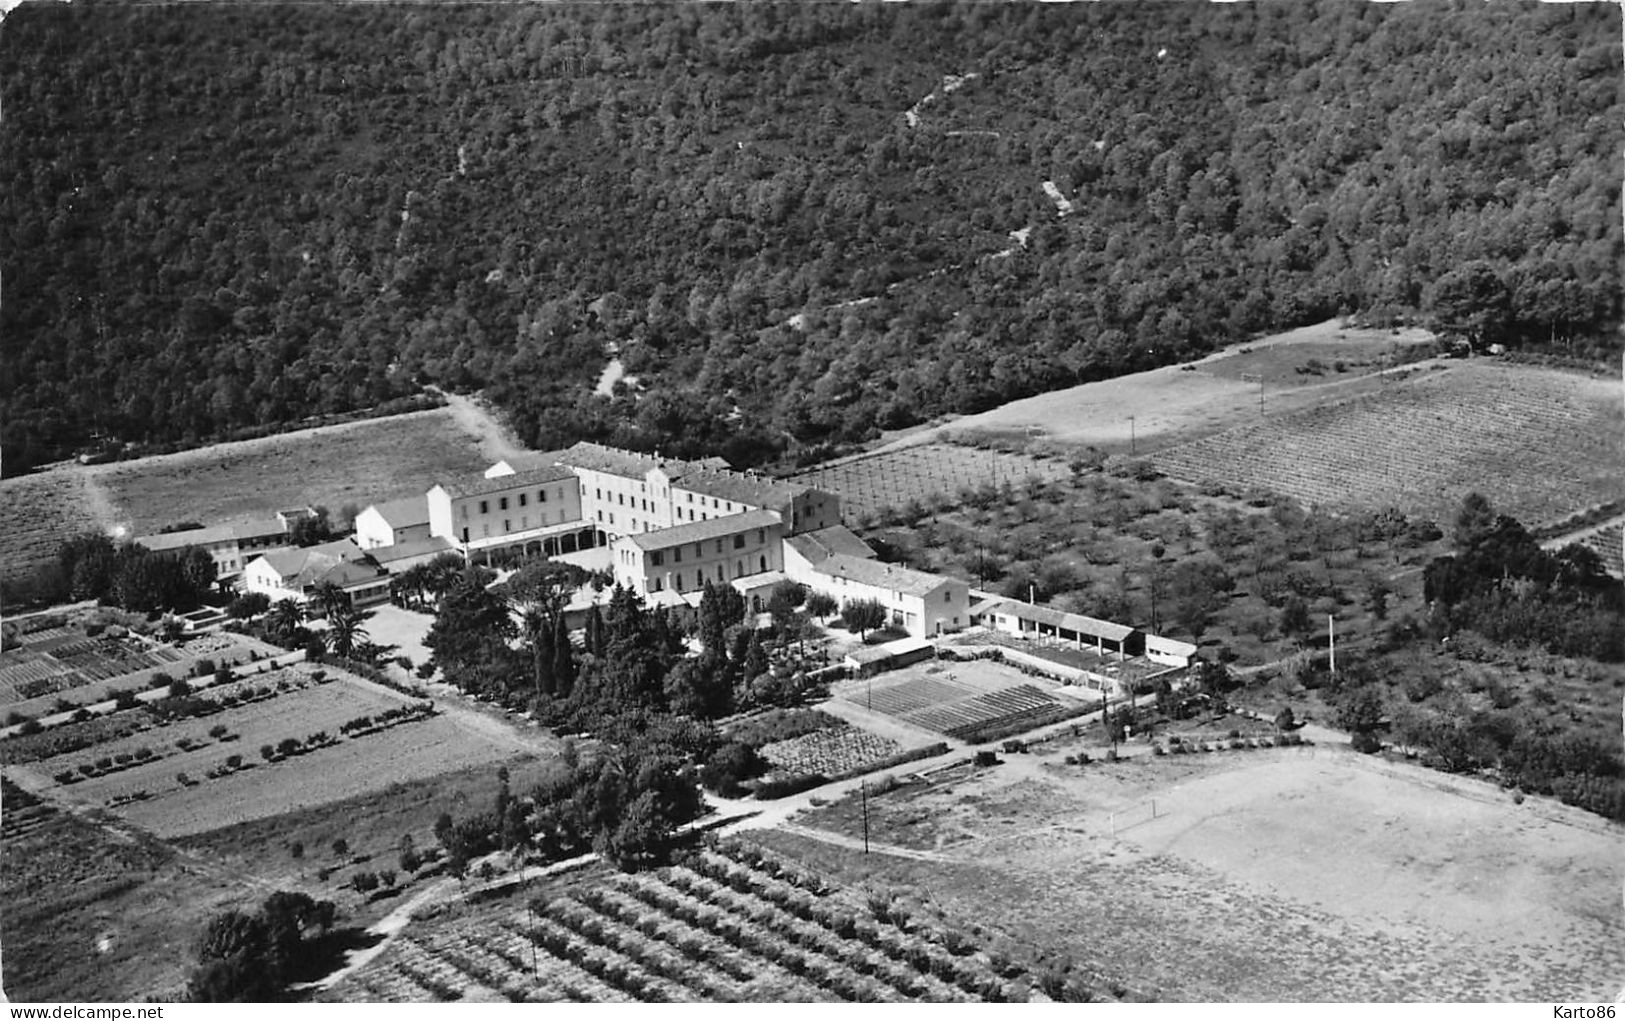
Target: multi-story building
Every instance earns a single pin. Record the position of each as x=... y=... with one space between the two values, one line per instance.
x=538 y=511
x=745 y=550
x=230 y=546
x=628 y=493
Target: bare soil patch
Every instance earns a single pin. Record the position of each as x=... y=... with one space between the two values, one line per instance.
x=1300 y=874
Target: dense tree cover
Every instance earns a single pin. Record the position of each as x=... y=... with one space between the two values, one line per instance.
x=1503 y=585
x=133 y=577
x=231 y=217
x=244 y=957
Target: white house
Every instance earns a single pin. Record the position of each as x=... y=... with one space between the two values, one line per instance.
x=297 y=572
x=394 y=522
x=1169 y=651
x=920 y=603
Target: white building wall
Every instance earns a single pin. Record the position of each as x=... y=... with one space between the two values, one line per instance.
x=372 y=531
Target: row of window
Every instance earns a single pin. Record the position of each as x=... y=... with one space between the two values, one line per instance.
x=657 y=584
x=658 y=557
x=502 y=501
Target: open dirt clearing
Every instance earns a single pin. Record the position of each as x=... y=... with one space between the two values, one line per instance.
x=1303 y=874
x=1540 y=443
x=1171 y=402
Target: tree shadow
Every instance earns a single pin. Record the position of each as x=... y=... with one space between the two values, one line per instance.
x=322 y=955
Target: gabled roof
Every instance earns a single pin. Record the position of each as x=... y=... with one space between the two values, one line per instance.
x=886 y=576
x=301 y=566
x=482 y=486
x=404 y=513
x=525 y=462
x=700 y=531
x=627 y=463
x=739 y=487
x=1092 y=626
x=254 y=529
x=387 y=555
x=816 y=545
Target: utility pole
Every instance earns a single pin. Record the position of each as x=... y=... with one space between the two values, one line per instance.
x=1253 y=377
x=1331 y=641
x=1131 y=435
x=863 y=788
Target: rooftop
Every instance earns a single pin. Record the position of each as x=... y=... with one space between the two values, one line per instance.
x=413 y=510
x=1092 y=626
x=815 y=546
x=303 y=566
x=481 y=486
x=887 y=576
x=700 y=531
x=629 y=463
x=739 y=487
x=253 y=529
x=387 y=555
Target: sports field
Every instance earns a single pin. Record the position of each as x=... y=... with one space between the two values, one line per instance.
x=1283 y=874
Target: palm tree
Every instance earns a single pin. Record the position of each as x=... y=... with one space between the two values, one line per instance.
x=344 y=632
x=285 y=617
x=330 y=597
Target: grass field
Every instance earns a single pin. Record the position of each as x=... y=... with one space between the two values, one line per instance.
x=1541 y=444
x=1288 y=874
x=357 y=462
x=1148 y=410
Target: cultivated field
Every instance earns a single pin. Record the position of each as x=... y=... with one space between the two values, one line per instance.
x=65 y=664
x=723 y=926
x=38 y=511
x=929 y=474
x=965 y=701
x=1281 y=874
x=351 y=737
x=1314 y=354
x=1540 y=444
x=356 y=462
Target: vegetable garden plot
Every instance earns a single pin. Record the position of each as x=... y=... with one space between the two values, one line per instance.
x=829 y=752
x=960 y=710
x=928 y=473
x=912 y=694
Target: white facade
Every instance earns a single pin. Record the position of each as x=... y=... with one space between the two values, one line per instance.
x=683 y=558
x=392 y=523
x=921 y=604
x=507 y=510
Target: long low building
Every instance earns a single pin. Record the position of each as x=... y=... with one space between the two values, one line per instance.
x=231 y=547
x=1018 y=618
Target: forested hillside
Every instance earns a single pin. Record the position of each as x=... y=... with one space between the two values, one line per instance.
x=226 y=216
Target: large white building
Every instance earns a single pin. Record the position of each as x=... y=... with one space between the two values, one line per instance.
x=298 y=572
x=537 y=510
x=735 y=548
x=627 y=493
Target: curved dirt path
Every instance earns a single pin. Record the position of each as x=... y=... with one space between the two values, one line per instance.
x=496 y=441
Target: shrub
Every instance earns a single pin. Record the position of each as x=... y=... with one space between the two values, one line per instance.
x=203 y=668
x=89 y=769
x=364 y=882
x=183 y=779
x=159 y=679
x=341 y=847
x=234 y=761
x=267 y=752
x=1158 y=750
x=105 y=762
x=986 y=758
x=297 y=849
x=219 y=731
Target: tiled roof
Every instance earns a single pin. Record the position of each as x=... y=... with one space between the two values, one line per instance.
x=879 y=575
x=700 y=531
x=254 y=529
x=751 y=490
x=413 y=510
x=303 y=565
x=815 y=546
x=1092 y=626
x=626 y=463
x=415 y=548
x=481 y=486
